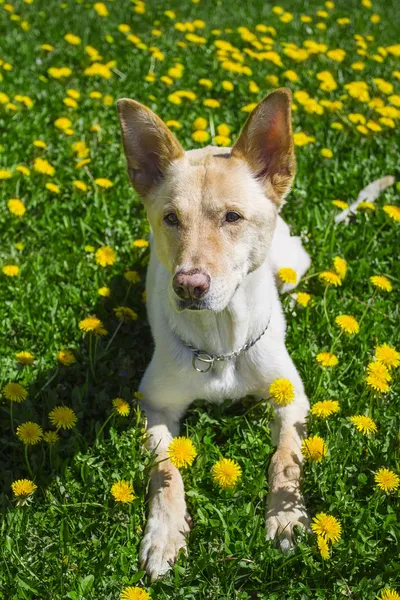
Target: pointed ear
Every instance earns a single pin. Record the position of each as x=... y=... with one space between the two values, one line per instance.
x=149 y=145
x=266 y=144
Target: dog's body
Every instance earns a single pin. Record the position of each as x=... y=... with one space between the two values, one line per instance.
x=211 y=284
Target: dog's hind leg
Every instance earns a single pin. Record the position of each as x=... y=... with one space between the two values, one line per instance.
x=287 y=251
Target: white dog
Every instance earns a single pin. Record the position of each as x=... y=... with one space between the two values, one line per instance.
x=212 y=299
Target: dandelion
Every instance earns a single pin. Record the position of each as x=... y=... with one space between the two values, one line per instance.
x=104 y=291
x=105 y=256
x=388 y=356
x=378 y=376
x=134 y=593
x=200 y=136
x=80 y=185
x=340 y=204
x=140 y=243
x=25 y=358
x=52 y=187
x=124 y=313
x=11 y=270
x=43 y=166
x=23 y=487
x=303 y=298
x=330 y=278
x=122 y=491
x=327 y=359
x=325 y=408
x=314 y=448
x=326 y=153
x=66 y=357
x=386 y=480
x=200 y=124
x=323 y=547
x=348 y=324
x=381 y=282
x=282 y=391
x=63 y=417
x=132 y=276
x=51 y=437
x=92 y=325
x=16 y=207
x=103 y=183
x=287 y=275
x=15 y=392
x=226 y=473
x=5 y=174
x=364 y=424
x=121 y=407
x=181 y=452
x=389 y=594
x=327 y=526
x=29 y=433
x=340 y=266
x=393 y=212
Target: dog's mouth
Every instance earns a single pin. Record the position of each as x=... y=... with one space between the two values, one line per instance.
x=191 y=305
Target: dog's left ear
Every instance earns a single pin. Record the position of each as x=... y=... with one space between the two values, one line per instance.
x=266 y=144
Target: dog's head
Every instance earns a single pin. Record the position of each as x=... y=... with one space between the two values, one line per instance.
x=212 y=210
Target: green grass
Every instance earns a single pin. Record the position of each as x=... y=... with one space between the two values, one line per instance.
x=72 y=540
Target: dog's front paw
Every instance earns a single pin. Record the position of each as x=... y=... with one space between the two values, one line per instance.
x=165 y=535
x=281 y=521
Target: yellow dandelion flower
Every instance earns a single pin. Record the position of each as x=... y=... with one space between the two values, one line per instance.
x=393 y=212
x=386 y=480
x=63 y=417
x=330 y=278
x=200 y=124
x=340 y=266
x=15 y=392
x=62 y=123
x=378 y=384
x=326 y=153
x=11 y=270
x=80 y=185
x=104 y=291
x=40 y=144
x=30 y=433
x=134 y=593
x=140 y=243
x=303 y=298
x=103 y=183
x=90 y=324
x=364 y=424
x=287 y=275
x=105 y=256
x=16 y=207
x=124 y=313
x=381 y=282
x=282 y=391
x=25 y=358
x=181 y=452
x=327 y=359
x=325 y=408
x=132 y=276
x=327 y=526
x=389 y=594
x=66 y=357
x=380 y=370
x=5 y=174
x=348 y=324
x=200 y=136
x=122 y=491
x=72 y=39
x=366 y=205
x=23 y=170
x=323 y=547
x=51 y=437
x=89 y=249
x=23 y=487
x=340 y=204
x=314 y=448
x=211 y=103
x=388 y=356
x=52 y=187
x=121 y=407
x=226 y=473
x=43 y=166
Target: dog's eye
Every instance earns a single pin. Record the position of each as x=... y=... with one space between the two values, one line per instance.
x=232 y=217
x=171 y=219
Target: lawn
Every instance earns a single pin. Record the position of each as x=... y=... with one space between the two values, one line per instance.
x=74 y=245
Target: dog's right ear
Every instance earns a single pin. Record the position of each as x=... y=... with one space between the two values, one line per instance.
x=149 y=145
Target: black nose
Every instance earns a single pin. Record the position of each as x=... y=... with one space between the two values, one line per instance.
x=191 y=285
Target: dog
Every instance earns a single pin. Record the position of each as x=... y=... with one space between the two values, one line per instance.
x=217 y=244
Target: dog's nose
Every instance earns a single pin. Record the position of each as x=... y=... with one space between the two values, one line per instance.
x=191 y=285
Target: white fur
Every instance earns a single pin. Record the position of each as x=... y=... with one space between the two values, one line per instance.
x=170 y=385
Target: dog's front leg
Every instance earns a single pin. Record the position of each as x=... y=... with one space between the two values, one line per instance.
x=168 y=521
x=285 y=504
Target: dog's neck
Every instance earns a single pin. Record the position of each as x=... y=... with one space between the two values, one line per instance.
x=244 y=318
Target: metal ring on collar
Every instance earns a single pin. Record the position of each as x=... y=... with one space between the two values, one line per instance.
x=202 y=357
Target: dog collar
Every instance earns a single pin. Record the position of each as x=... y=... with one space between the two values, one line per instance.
x=203 y=362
